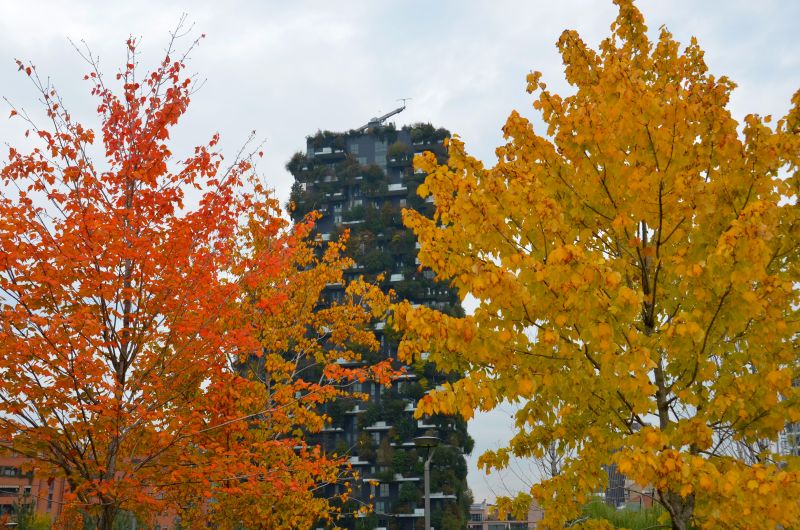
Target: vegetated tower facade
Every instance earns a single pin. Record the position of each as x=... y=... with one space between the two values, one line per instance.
x=360 y=181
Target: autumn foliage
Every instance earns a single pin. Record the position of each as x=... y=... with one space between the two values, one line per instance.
x=158 y=318
x=636 y=268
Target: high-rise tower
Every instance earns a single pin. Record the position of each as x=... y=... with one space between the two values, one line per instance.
x=360 y=181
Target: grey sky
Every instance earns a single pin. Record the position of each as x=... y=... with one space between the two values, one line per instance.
x=287 y=69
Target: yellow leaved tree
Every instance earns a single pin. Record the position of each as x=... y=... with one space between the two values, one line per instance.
x=636 y=271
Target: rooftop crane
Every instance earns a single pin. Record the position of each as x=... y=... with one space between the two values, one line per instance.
x=378 y=121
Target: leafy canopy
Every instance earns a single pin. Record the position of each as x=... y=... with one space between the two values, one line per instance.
x=158 y=318
x=636 y=270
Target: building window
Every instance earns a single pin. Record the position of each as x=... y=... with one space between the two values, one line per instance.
x=50 y=489
x=8 y=471
x=354 y=149
x=384 y=490
x=380 y=154
x=376 y=438
x=476 y=517
x=380 y=507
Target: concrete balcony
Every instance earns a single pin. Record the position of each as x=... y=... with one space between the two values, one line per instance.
x=328 y=153
x=348 y=362
x=440 y=495
x=418 y=512
x=378 y=426
x=356 y=461
x=332 y=429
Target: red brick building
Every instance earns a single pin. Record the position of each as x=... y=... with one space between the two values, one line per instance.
x=45 y=495
x=24 y=488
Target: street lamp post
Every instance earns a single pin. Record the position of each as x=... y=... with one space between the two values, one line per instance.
x=429 y=443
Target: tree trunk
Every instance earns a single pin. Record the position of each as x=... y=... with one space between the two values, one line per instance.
x=681 y=509
x=105 y=520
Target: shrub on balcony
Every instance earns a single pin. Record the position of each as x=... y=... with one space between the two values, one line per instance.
x=354 y=214
x=409 y=493
x=398 y=150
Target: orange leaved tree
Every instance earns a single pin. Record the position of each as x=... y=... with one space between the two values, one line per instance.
x=156 y=314
x=636 y=267
x=266 y=474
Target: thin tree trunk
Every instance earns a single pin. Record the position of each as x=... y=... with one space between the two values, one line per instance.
x=680 y=508
x=106 y=519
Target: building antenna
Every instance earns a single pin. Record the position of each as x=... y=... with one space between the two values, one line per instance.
x=404 y=101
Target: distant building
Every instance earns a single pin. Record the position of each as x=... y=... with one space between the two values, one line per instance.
x=21 y=489
x=45 y=495
x=789 y=440
x=615 y=490
x=483 y=516
x=622 y=492
x=360 y=181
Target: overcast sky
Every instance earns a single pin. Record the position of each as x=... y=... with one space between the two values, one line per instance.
x=287 y=69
